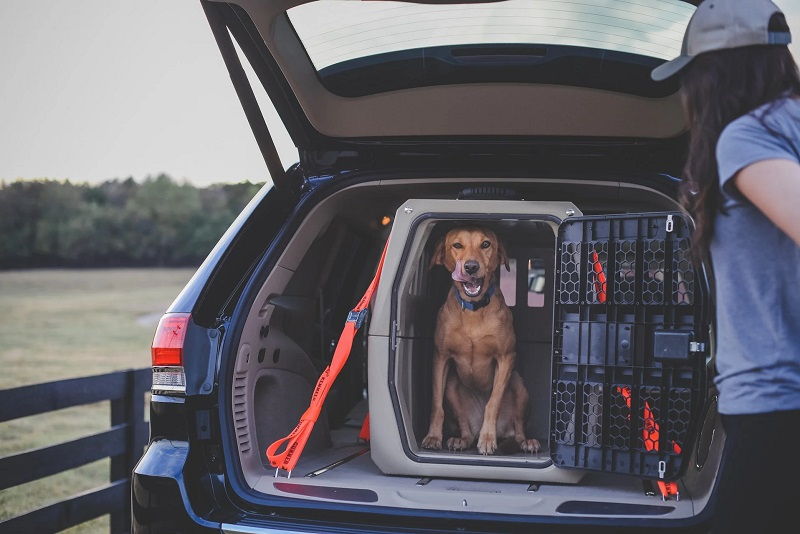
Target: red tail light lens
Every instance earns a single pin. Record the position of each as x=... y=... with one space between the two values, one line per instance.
x=167 y=349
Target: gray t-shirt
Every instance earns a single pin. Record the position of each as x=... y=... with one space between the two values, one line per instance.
x=757 y=273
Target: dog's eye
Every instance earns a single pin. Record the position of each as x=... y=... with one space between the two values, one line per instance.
x=485 y=244
x=458 y=245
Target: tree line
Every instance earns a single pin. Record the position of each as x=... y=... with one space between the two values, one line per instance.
x=156 y=222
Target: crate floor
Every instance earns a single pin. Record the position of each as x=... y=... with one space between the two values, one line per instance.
x=472 y=452
x=352 y=477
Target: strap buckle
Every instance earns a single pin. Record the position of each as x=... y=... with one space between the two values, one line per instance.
x=358 y=317
x=288 y=471
x=668 y=489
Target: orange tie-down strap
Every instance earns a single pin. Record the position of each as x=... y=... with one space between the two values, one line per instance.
x=297 y=438
x=600 y=284
x=650 y=437
x=650 y=430
x=364 y=433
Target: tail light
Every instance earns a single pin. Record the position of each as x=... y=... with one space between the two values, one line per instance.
x=167 y=353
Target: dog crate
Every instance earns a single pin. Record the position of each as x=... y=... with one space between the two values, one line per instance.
x=608 y=315
x=401 y=346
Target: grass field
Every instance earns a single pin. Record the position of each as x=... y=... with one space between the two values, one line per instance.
x=58 y=324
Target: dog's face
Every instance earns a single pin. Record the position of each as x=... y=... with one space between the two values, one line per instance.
x=472 y=254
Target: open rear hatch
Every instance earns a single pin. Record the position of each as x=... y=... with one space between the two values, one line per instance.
x=356 y=82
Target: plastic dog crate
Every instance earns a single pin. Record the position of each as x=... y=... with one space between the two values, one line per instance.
x=613 y=357
x=400 y=340
x=630 y=341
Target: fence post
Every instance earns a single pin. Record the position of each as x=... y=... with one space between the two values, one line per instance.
x=142 y=381
x=128 y=410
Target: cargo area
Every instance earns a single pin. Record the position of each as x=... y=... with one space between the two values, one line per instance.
x=298 y=312
x=344 y=472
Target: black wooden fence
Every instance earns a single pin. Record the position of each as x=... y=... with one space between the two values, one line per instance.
x=124 y=443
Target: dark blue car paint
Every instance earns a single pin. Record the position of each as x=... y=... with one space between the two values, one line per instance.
x=188 y=297
x=160 y=503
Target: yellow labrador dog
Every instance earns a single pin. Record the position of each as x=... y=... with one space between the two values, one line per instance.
x=473 y=364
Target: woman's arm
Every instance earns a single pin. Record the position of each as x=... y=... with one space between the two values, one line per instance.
x=780 y=199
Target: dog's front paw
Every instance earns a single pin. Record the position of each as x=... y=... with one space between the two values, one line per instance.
x=432 y=442
x=457 y=444
x=487 y=443
x=530 y=445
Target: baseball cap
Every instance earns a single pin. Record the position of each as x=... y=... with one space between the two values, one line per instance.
x=723 y=24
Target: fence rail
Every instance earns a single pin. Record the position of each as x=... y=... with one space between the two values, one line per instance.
x=124 y=443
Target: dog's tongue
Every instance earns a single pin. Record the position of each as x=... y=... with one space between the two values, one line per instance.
x=458 y=273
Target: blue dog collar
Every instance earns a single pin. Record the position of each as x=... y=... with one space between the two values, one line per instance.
x=476 y=304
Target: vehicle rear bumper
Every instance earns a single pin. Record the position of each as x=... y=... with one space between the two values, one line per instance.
x=159 y=501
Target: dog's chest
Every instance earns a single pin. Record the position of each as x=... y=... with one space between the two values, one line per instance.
x=475 y=371
x=473 y=339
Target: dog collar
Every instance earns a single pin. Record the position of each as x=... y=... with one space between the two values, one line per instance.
x=474 y=305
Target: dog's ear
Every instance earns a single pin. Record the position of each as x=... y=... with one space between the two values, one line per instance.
x=501 y=252
x=438 y=254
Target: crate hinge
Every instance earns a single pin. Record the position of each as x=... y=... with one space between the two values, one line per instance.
x=697 y=346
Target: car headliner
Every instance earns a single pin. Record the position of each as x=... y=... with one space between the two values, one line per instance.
x=471 y=109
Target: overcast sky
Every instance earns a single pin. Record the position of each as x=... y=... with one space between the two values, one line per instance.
x=98 y=89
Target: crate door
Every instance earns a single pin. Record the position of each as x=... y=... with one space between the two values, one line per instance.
x=629 y=345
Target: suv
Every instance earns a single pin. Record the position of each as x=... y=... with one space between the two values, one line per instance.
x=537 y=118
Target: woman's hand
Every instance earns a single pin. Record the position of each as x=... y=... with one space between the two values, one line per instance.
x=773 y=186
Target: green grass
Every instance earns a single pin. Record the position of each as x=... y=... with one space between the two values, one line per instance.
x=58 y=324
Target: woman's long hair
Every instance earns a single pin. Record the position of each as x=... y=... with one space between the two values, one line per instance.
x=719 y=87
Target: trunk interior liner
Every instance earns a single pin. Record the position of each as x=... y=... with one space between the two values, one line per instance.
x=360 y=481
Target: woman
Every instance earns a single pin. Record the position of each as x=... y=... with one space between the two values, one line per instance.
x=741 y=94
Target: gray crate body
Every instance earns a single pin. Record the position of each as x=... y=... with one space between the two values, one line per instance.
x=394 y=390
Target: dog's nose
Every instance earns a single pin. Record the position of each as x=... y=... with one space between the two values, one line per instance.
x=471 y=266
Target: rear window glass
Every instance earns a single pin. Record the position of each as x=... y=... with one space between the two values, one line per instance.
x=337 y=31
